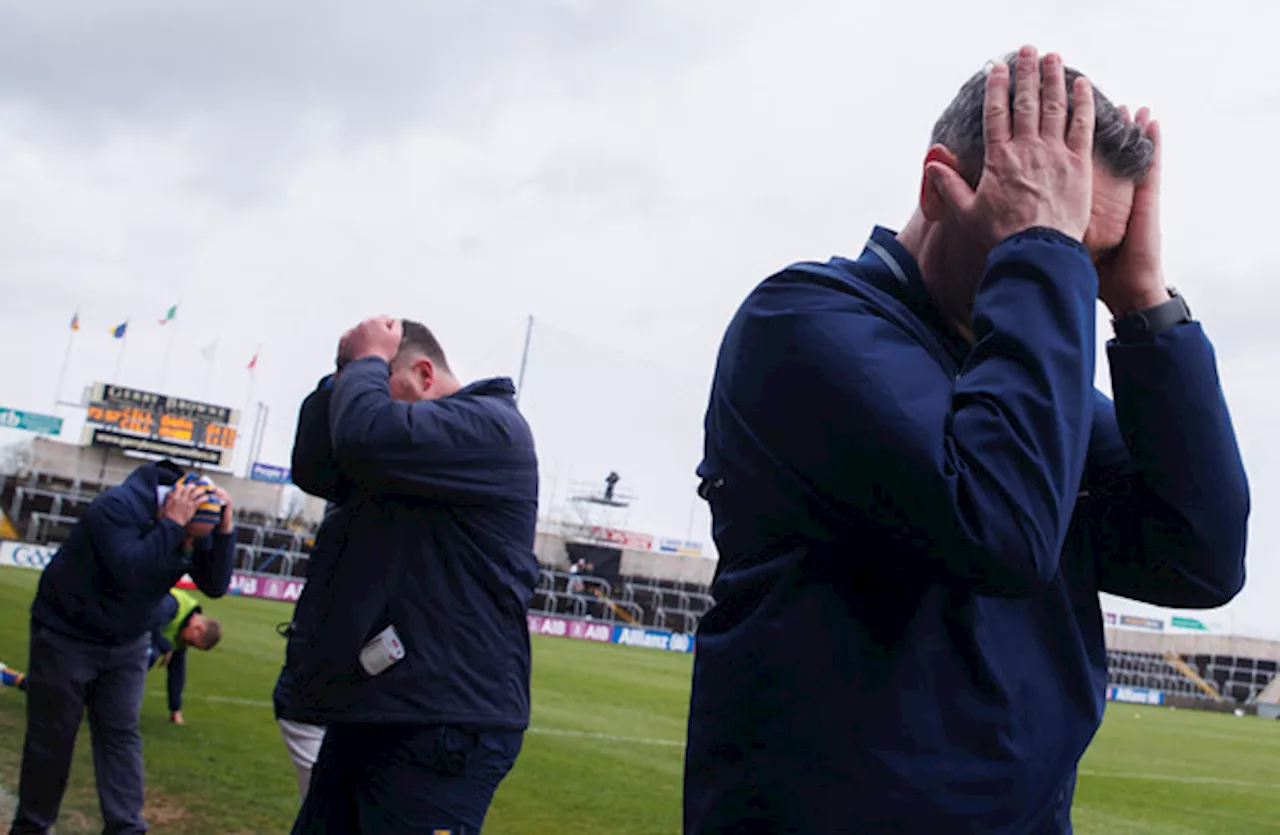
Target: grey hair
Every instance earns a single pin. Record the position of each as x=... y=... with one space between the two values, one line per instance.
x=1122 y=147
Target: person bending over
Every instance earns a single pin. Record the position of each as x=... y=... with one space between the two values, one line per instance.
x=178 y=625
x=90 y=639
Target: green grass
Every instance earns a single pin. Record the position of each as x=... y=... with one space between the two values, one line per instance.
x=605 y=751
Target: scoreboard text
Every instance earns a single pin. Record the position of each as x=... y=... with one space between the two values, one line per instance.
x=185 y=430
x=156 y=424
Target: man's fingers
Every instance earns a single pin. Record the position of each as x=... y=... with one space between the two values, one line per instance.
x=1148 y=192
x=950 y=186
x=1053 y=101
x=995 y=110
x=1080 y=136
x=1026 y=93
x=1143 y=117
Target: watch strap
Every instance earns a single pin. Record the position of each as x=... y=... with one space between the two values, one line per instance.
x=1143 y=325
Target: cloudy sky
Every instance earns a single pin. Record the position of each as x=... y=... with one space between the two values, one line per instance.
x=622 y=171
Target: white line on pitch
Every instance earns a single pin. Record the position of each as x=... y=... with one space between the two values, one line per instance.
x=1177 y=778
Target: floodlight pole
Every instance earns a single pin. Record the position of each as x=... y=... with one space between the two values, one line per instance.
x=524 y=357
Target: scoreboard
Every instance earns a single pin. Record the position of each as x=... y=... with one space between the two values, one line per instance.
x=160 y=426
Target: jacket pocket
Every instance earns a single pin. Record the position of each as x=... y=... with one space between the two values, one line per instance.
x=444 y=749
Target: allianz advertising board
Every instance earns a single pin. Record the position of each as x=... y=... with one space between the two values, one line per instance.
x=634 y=636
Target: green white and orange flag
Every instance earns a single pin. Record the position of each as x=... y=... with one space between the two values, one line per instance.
x=170 y=316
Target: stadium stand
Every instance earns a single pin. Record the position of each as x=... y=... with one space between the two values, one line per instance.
x=43 y=506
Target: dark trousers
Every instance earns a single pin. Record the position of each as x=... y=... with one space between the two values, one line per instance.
x=393 y=779
x=64 y=678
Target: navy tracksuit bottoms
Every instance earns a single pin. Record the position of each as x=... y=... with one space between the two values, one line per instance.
x=403 y=779
x=64 y=678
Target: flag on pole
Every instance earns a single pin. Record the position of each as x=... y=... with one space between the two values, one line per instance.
x=253 y=363
x=170 y=316
x=119 y=330
x=209 y=351
x=75 y=321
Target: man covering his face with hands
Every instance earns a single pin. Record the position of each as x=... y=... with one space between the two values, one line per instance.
x=917 y=494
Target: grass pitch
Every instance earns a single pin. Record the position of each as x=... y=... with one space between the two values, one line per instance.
x=605 y=750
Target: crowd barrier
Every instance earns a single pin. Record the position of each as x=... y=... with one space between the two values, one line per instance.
x=608 y=633
x=264 y=586
x=270 y=587
x=1135 y=695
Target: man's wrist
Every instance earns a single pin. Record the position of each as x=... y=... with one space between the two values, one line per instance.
x=371 y=355
x=1141 y=299
x=1143 y=324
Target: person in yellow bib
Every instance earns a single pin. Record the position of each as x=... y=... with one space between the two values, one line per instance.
x=178 y=624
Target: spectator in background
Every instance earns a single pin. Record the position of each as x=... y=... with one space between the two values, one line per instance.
x=410 y=641
x=90 y=639
x=576 y=568
x=179 y=623
x=917 y=494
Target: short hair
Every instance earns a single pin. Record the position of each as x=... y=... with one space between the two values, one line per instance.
x=211 y=635
x=417 y=338
x=1121 y=146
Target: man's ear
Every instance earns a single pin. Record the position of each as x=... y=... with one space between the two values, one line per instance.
x=426 y=371
x=933 y=203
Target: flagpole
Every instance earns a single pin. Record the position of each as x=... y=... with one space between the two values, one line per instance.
x=168 y=354
x=248 y=401
x=124 y=340
x=62 y=375
x=210 y=354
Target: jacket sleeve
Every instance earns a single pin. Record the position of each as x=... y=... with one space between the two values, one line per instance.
x=981 y=471
x=212 y=563
x=176 y=678
x=160 y=642
x=313 y=467
x=452 y=448
x=132 y=558
x=1172 y=506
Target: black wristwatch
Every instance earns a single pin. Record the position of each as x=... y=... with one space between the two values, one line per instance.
x=1143 y=325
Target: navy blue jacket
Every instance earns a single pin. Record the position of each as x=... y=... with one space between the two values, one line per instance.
x=119 y=561
x=314 y=471
x=432 y=532
x=913 y=533
x=176 y=669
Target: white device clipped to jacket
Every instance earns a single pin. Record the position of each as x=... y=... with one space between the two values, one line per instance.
x=382 y=652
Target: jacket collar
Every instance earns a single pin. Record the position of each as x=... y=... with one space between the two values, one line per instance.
x=164 y=473
x=886 y=264
x=492 y=386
